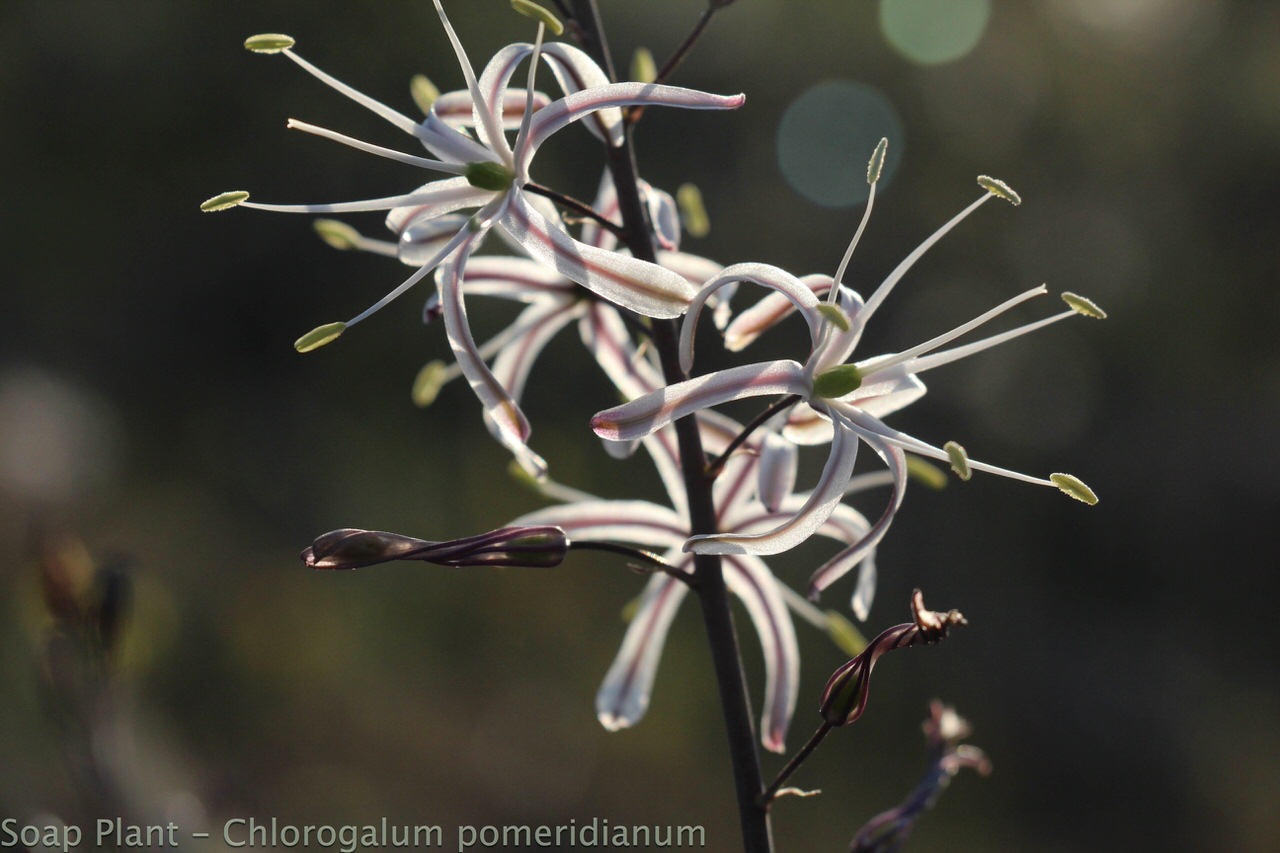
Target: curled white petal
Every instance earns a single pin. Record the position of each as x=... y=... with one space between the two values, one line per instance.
x=656 y=410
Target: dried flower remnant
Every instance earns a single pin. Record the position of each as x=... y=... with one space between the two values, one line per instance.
x=888 y=831
x=845 y=697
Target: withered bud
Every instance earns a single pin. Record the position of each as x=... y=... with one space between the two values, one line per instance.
x=845 y=697
x=531 y=547
x=888 y=831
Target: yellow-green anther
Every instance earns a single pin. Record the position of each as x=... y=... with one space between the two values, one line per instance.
x=1087 y=307
x=224 y=201
x=269 y=42
x=876 y=165
x=1074 y=487
x=423 y=92
x=487 y=175
x=427 y=385
x=532 y=10
x=833 y=315
x=842 y=632
x=631 y=608
x=837 y=381
x=319 y=336
x=959 y=460
x=337 y=234
x=693 y=213
x=928 y=475
x=643 y=68
x=999 y=188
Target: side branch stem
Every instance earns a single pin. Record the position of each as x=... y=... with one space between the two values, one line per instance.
x=712 y=593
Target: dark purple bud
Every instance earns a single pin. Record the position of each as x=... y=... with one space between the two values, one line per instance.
x=531 y=547
x=845 y=697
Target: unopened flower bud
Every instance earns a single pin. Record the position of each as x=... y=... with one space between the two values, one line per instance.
x=349 y=548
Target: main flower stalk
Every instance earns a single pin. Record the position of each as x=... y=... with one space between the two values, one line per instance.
x=710 y=586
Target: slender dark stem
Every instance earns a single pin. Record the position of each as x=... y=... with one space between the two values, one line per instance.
x=713 y=470
x=794 y=764
x=577 y=207
x=635 y=554
x=712 y=593
x=687 y=45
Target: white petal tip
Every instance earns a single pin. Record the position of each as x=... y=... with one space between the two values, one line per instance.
x=614 y=722
x=269 y=43
x=1074 y=487
x=999 y=188
x=1081 y=305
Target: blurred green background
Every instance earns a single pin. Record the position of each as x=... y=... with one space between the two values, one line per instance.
x=1120 y=664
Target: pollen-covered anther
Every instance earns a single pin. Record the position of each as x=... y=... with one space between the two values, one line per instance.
x=532 y=10
x=959 y=460
x=876 y=165
x=1081 y=305
x=1074 y=487
x=224 y=201
x=838 y=381
x=643 y=67
x=428 y=382
x=423 y=91
x=319 y=336
x=269 y=43
x=833 y=315
x=693 y=213
x=337 y=234
x=999 y=188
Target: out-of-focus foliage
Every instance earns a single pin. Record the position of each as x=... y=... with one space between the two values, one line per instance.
x=1119 y=664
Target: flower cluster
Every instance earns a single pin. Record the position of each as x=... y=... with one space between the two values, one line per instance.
x=569 y=268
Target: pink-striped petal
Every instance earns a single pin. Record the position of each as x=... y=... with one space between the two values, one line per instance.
x=435 y=199
x=518 y=279
x=623 y=697
x=645 y=288
x=819 y=506
x=771 y=310
x=502 y=414
x=842 y=563
x=579 y=105
x=455 y=108
x=536 y=326
x=755 y=586
x=779 y=460
x=774 y=278
x=654 y=411
x=606 y=337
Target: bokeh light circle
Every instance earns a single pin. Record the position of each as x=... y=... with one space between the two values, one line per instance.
x=931 y=32
x=826 y=137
